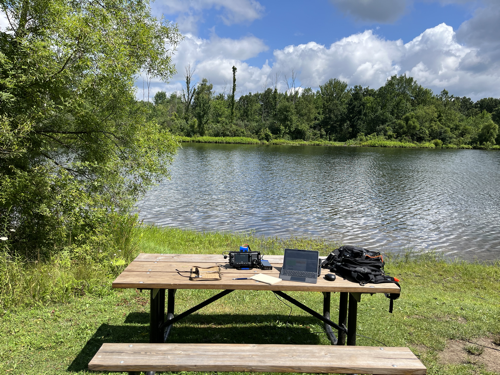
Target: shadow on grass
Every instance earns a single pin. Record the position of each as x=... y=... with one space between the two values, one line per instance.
x=224 y=328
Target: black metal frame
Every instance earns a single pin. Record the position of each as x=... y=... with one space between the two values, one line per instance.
x=160 y=327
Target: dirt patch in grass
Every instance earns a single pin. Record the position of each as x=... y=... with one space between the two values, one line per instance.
x=458 y=352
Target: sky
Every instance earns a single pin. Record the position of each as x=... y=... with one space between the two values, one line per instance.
x=442 y=44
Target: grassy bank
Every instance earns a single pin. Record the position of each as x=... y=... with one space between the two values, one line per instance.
x=445 y=311
x=365 y=142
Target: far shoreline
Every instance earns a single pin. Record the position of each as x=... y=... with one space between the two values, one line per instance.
x=368 y=142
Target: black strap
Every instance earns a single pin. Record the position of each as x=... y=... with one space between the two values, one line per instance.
x=392 y=297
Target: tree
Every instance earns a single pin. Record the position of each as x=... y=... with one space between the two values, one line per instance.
x=286 y=118
x=219 y=114
x=233 y=93
x=488 y=129
x=495 y=116
x=306 y=107
x=160 y=98
x=75 y=149
x=397 y=96
x=249 y=109
x=201 y=105
x=334 y=96
x=268 y=106
x=487 y=104
x=188 y=94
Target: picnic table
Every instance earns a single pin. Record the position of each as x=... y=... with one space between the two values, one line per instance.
x=163 y=275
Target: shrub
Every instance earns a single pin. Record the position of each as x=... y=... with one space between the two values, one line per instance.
x=437 y=142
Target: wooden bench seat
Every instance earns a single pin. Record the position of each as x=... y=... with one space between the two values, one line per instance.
x=256 y=358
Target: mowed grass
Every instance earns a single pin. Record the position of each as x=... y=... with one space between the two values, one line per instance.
x=441 y=301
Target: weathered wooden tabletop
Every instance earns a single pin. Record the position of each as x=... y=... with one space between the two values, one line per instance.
x=171 y=271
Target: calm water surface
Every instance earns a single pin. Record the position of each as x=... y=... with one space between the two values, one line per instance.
x=381 y=199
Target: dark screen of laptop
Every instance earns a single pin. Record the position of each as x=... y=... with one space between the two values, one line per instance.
x=301 y=261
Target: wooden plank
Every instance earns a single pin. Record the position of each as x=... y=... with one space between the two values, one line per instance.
x=151 y=272
x=256 y=358
x=173 y=267
x=173 y=280
x=197 y=258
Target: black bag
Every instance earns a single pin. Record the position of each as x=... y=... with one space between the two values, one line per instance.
x=360 y=265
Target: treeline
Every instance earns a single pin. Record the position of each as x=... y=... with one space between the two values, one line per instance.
x=401 y=110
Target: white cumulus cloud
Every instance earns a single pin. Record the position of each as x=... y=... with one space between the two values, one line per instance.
x=466 y=62
x=434 y=58
x=205 y=54
x=362 y=59
x=189 y=12
x=213 y=59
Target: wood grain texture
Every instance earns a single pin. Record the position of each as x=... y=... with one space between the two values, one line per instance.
x=166 y=271
x=256 y=358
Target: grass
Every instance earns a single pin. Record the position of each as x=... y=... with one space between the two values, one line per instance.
x=374 y=142
x=441 y=300
x=474 y=349
x=236 y=140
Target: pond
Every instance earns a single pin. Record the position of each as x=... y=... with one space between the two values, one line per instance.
x=383 y=199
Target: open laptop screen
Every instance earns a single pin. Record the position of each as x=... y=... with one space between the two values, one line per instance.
x=301 y=260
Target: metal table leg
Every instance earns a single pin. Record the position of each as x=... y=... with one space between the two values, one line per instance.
x=326 y=314
x=342 y=317
x=170 y=312
x=156 y=315
x=354 y=298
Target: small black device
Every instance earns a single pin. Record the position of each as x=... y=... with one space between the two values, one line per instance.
x=265 y=265
x=330 y=277
x=246 y=259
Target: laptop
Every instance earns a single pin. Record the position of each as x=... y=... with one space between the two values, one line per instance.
x=300 y=265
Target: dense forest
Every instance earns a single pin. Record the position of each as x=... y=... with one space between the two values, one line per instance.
x=401 y=110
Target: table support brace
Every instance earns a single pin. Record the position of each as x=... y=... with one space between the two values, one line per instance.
x=160 y=329
x=309 y=310
x=169 y=322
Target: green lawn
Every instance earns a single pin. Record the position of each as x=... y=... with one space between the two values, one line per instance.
x=441 y=301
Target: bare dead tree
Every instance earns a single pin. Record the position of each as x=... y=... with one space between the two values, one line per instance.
x=233 y=94
x=294 y=88
x=188 y=94
x=290 y=84
x=148 y=83
x=276 y=80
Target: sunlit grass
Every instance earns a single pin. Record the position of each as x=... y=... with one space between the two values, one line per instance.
x=171 y=240
x=376 y=142
x=441 y=300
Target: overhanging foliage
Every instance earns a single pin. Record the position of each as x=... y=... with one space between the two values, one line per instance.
x=75 y=149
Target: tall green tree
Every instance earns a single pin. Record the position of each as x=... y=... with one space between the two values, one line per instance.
x=306 y=108
x=75 y=149
x=488 y=130
x=334 y=95
x=201 y=105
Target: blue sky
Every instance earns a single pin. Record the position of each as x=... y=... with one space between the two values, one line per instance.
x=443 y=44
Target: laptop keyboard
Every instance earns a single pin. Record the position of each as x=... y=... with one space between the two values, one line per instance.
x=305 y=274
